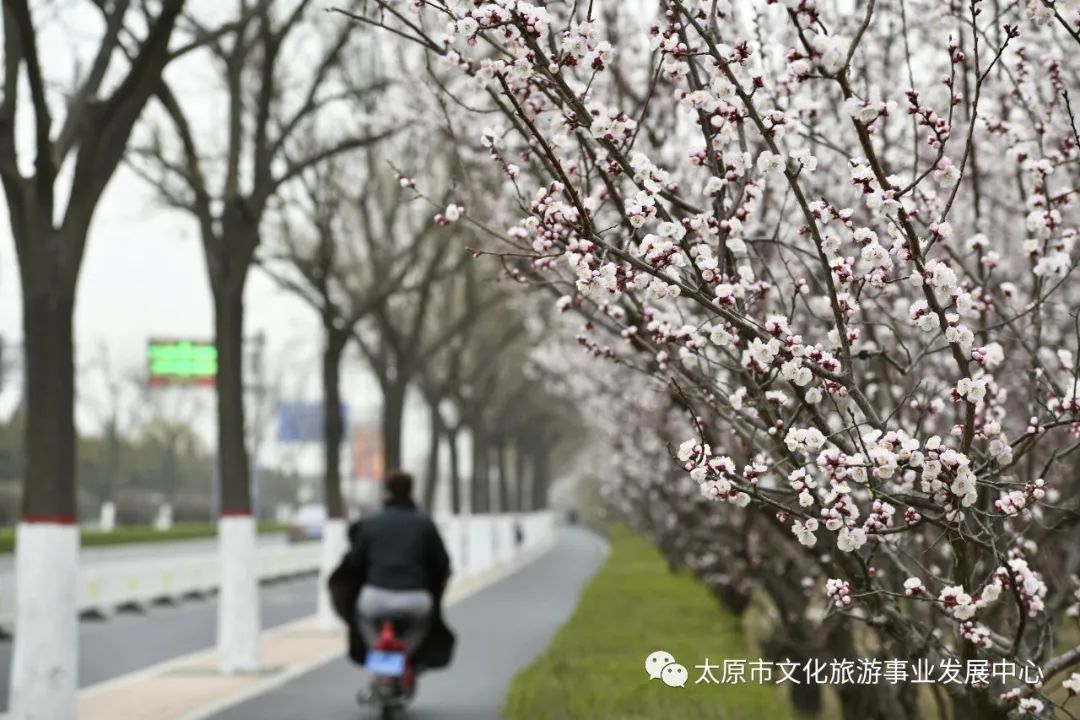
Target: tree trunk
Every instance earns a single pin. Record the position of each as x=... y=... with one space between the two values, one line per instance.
x=393 y=417
x=45 y=653
x=432 y=479
x=45 y=650
x=333 y=427
x=335 y=533
x=238 y=623
x=112 y=460
x=541 y=465
x=232 y=450
x=520 y=466
x=976 y=704
x=455 y=470
x=504 y=483
x=49 y=487
x=172 y=462
x=481 y=483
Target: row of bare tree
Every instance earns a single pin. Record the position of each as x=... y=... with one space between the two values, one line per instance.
x=358 y=246
x=274 y=158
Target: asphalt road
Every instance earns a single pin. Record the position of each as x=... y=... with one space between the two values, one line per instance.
x=131 y=641
x=500 y=630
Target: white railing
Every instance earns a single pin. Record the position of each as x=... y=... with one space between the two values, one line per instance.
x=475 y=544
x=107 y=585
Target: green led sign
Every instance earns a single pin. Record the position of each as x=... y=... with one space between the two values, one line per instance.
x=182 y=361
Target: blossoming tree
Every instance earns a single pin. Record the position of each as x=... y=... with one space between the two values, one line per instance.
x=843 y=238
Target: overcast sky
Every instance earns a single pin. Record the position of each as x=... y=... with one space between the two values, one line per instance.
x=143 y=274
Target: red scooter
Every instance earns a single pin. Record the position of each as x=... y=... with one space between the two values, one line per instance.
x=390 y=671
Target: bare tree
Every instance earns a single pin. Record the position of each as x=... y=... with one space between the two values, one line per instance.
x=441 y=377
x=272 y=106
x=113 y=409
x=166 y=415
x=435 y=381
x=331 y=257
x=518 y=409
x=50 y=237
x=489 y=383
x=404 y=334
x=229 y=196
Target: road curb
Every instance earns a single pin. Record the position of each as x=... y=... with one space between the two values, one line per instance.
x=165 y=691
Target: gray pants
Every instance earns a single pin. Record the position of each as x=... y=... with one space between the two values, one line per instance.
x=413 y=606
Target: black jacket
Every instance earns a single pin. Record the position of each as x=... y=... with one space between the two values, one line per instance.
x=398 y=549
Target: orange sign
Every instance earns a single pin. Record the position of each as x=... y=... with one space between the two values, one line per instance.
x=368 y=461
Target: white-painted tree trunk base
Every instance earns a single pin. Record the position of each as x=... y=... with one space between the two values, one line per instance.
x=163 y=521
x=238 y=598
x=107 y=522
x=335 y=543
x=44 y=661
x=464 y=541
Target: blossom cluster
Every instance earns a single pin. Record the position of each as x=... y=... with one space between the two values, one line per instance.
x=848 y=261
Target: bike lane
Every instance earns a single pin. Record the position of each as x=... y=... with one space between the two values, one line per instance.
x=499 y=629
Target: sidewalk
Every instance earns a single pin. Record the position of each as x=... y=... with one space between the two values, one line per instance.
x=190 y=688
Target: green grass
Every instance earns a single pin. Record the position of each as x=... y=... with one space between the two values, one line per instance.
x=595 y=667
x=141 y=534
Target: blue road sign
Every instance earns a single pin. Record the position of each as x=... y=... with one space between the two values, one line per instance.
x=303 y=422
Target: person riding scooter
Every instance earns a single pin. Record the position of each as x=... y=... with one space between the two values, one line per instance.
x=397 y=566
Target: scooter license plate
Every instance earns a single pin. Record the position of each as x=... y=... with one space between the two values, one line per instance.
x=387 y=664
